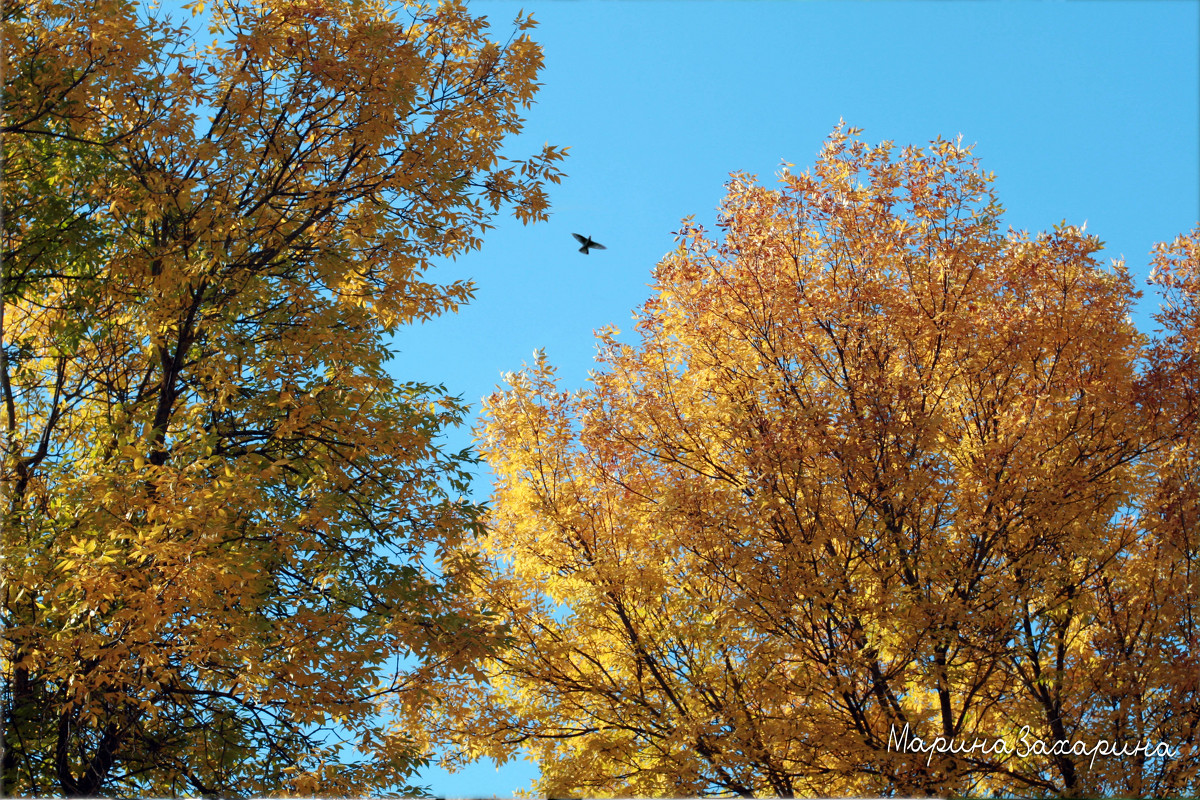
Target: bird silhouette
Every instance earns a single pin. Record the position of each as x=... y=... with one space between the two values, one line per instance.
x=587 y=242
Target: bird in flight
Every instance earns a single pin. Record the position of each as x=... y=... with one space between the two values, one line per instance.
x=587 y=242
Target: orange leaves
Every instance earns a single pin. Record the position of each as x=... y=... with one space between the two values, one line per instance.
x=868 y=463
x=1176 y=269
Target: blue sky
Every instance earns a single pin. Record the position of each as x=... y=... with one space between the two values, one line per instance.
x=1083 y=110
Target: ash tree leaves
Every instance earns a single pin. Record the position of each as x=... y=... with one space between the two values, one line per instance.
x=870 y=462
x=231 y=540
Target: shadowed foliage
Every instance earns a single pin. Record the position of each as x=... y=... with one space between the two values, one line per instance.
x=231 y=540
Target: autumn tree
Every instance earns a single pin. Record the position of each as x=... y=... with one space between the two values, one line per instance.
x=874 y=472
x=231 y=540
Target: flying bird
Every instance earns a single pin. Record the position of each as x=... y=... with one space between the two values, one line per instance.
x=587 y=242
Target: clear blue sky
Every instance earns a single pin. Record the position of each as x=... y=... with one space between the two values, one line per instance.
x=1084 y=110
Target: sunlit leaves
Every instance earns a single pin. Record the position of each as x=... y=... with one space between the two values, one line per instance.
x=231 y=539
x=870 y=461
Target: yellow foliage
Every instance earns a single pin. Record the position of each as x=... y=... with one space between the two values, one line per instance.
x=870 y=463
x=222 y=519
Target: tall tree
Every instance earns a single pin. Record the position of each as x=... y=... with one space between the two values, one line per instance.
x=230 y=539
x=875 y=472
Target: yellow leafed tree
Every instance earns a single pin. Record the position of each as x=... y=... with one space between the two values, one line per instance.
x=874 y=472
x=230 y=539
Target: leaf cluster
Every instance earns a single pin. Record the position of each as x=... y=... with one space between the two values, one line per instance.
x=872 y=463
x=231 y=540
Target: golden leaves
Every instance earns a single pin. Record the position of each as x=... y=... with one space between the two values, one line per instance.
x=868 y=463
x=221 y=506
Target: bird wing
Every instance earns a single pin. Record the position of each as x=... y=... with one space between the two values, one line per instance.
x=582 y=239
x=598 y=246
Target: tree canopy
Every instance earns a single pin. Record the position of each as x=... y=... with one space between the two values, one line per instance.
x=231 y=540
x=875 y=479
